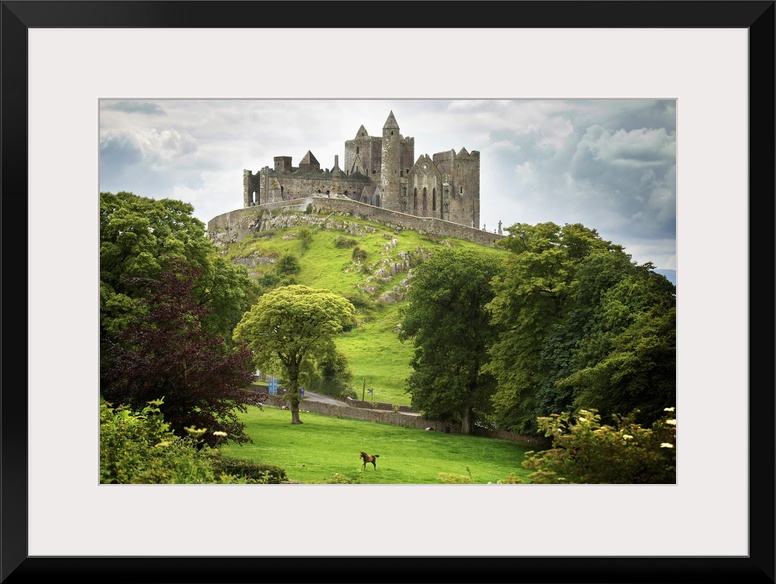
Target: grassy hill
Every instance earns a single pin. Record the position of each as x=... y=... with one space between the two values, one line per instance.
x=375 y=284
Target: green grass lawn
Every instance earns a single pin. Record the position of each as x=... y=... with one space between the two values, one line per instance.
x=325 y=447
x=377 y=359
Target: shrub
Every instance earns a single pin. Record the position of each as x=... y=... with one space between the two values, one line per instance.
x=287 y=265
x=348 y=392
x=341 y=241
x=360 y=300
x=359 y=255
x=341 y=479
x=306 y=238
x=139 y=448
x=253 y=472
x=454 y=479
x=268 y=281
x=584 y=451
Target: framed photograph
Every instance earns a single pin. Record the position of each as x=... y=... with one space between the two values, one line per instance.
x=714 y=58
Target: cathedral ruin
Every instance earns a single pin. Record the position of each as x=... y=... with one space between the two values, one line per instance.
x=381 y=171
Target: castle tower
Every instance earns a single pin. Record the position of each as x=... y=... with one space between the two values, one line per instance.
x=390 y=168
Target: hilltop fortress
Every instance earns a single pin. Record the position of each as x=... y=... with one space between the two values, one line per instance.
x=379 y=171
x=381 y=181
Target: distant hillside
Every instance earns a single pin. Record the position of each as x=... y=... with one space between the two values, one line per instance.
x=367 y=262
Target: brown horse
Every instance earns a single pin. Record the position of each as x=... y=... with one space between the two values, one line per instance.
x=369 y=458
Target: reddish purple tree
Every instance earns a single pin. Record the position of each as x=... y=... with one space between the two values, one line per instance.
x=167 y=355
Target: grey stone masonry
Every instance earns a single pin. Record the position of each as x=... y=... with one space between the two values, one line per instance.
x=236 y=225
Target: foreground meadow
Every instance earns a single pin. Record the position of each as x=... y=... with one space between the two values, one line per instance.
x=325 y=449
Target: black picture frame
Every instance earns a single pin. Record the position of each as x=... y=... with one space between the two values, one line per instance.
x=16 y=566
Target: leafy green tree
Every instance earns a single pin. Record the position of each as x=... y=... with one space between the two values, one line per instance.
x=586 y=451
x=447 y=320
x=227 y=291
x=531 y=299
x=625 y=360
x=140 y=238
x=290 y=329
x=332 y=376
x=583 y=326
x=287 y=265
x=168 y=355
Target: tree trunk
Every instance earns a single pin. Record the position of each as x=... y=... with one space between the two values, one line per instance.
x=294 y=396
x=466 y=420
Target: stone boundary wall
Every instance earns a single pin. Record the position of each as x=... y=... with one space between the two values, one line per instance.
x=398 y=419
x=236 y=225
x=357 y=403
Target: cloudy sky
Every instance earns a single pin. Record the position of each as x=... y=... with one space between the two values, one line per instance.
x=608 y=164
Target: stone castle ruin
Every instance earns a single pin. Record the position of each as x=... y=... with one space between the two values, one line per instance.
x=380 y=171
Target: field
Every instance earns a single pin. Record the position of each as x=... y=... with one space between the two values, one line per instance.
x=325 y=449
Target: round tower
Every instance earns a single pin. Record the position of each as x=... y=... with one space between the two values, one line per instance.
x=390 y=166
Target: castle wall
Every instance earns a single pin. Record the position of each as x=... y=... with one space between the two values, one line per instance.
x=236 y=225
x=249 y=188
x=407 y=156
x=464 y=192
x=286 y=186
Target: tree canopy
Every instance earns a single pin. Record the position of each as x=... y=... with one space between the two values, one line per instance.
x=290 y=329
x=448 y=322
x=139 y=238
x=583 y=326
x=167 y=355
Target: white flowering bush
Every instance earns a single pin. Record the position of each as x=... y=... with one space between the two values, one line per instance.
x=140 y=448
x=585 y=451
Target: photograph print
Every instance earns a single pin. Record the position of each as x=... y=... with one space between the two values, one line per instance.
x=370 y=291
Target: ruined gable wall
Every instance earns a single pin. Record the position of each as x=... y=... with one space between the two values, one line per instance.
x=365 y=153
x=425 y=189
